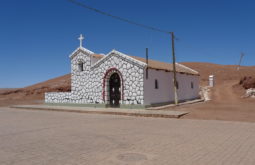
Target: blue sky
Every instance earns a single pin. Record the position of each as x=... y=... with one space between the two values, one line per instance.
x=36 y=37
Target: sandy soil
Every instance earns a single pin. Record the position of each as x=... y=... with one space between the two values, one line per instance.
x=226 y=103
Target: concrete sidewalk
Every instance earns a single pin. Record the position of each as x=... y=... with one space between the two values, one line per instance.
x=173 y=105
x=111 y=111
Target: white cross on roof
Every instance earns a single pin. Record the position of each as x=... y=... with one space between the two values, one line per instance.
x=81 y=38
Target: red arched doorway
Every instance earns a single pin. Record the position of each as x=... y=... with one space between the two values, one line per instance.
x=113 y=88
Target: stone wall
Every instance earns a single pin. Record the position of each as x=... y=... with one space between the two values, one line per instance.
x=59 y=97
x=132 y=77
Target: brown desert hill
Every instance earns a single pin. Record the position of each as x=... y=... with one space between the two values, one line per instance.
x=34 y=94
x=59 y=84
x=221 y=72
x=3 y=90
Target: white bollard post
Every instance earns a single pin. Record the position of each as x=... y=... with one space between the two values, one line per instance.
x=211 y=80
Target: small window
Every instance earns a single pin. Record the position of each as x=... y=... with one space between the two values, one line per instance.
x=156 y=84
x=192 y=85
x=80 y=66
x=177 y=85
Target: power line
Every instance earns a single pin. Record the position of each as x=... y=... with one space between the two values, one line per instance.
x=140 y=25
x=117 y=17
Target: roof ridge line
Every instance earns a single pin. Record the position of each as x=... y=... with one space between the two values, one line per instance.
x=187 y=67
x=81 y=48
x=120 y=54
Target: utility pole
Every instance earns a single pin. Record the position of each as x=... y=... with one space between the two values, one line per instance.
x=174 y=69
x=147 y=62
x=241 y=57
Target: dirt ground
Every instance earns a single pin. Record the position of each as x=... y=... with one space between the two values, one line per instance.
x=226 y=103
x=18 y=97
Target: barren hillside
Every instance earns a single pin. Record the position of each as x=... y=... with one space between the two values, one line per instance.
x=34 y=94
x=222 y=72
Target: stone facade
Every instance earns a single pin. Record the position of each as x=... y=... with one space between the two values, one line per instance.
x=90 y=84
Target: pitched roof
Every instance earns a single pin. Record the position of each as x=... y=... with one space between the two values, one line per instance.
x=99 y=56
x=119 y=55
x=153 y=64
x=78 y=50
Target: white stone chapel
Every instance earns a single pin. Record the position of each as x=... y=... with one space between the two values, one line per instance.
x=120 y=80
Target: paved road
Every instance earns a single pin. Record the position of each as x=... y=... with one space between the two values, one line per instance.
x=62 y=138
